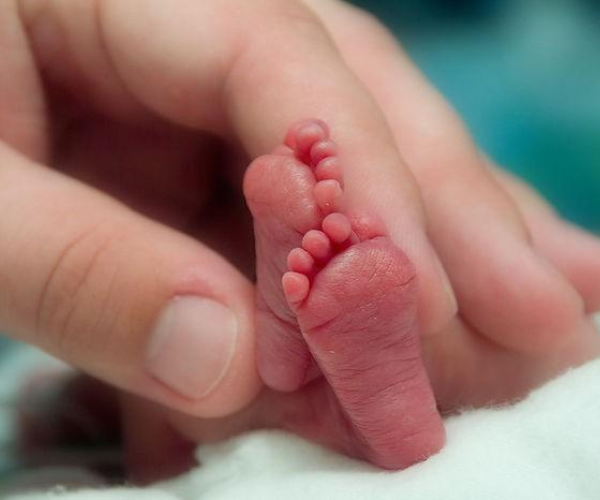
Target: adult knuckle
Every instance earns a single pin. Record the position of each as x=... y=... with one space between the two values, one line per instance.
x=292 y=11
x=291 y=38
x=287 y=21
x=79 y=280
x=368 y=25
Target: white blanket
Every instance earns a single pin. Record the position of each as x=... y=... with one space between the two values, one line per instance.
x=546 y=447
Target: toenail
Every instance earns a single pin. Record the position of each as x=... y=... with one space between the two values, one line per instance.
x=192 y=345
x=452 y=302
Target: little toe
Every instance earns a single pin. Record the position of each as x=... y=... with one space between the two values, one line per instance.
x=366 y=226
x=296 y=287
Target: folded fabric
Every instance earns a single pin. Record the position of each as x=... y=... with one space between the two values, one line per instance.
x=547 y=446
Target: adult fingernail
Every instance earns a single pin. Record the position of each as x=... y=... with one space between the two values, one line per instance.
x=447 y=286
x=192 y=344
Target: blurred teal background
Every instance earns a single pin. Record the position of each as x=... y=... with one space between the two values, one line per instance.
x=525 y=76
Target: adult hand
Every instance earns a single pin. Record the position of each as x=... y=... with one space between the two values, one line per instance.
x=87 y=279
x=127 y=97
x=526 y=281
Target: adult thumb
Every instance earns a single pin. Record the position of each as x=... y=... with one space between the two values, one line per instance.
x=125 y=299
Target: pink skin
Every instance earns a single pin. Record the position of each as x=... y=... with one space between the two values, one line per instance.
x=345 y=306
x=337 y=324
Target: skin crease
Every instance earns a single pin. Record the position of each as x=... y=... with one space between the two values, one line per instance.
x=88 y=105
x=384 y=389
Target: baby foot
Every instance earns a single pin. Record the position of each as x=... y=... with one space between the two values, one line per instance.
x=347 y=298
x=289 y=193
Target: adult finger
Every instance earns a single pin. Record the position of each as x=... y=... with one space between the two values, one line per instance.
x=572 y=250
x=127 y=300
x=255 y=83
x=22 y=107
x=505 y=289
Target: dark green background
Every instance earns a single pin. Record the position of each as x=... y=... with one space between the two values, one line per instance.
x=525 y=76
